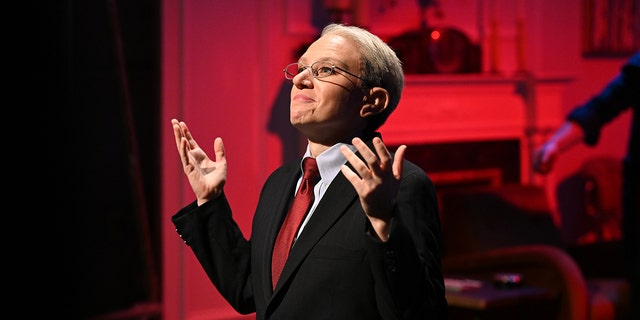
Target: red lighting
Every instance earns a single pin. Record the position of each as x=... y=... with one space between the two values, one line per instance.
x=435 y=34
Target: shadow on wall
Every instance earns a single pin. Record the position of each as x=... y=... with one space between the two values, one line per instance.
x=293 y=143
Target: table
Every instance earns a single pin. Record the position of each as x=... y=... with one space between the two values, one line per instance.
x=482 y=300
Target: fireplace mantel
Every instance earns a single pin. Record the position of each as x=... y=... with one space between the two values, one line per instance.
x=466 y=107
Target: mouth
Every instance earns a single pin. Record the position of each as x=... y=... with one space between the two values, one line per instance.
x=302 y=97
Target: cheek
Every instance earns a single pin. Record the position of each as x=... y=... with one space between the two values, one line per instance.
x=344 y=106
x=345 y=113
x=339 y=103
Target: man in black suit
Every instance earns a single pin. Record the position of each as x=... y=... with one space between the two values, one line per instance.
x=370 y=246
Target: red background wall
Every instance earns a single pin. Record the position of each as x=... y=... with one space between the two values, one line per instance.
x=222 y=74
x=217 y=65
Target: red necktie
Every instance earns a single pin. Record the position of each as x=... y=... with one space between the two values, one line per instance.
x=301 y=204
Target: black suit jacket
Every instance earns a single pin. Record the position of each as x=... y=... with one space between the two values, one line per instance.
x=336 y=270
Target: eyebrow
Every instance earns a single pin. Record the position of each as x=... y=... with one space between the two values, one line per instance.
x=335 y=62
x=318 y=59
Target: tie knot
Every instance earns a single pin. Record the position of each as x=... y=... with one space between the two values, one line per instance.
x=310 y=167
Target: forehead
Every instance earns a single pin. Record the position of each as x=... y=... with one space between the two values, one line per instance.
x=332 y=47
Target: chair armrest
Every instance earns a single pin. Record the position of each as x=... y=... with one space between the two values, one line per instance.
x=540 y=265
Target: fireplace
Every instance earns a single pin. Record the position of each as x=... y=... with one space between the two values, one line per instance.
x=460 y=164
x=475 y=129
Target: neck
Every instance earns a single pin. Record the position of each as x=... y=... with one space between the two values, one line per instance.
x=318 y=147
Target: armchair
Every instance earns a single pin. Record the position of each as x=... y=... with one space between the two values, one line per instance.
x=510 y=229
x=540 y=266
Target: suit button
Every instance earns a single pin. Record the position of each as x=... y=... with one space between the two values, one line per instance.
x=390 y=257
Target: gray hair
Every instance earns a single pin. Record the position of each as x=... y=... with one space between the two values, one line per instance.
x=381 y=66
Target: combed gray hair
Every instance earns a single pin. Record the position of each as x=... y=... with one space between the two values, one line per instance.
x=381 y=66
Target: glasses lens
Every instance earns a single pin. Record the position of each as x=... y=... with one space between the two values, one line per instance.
x=322 y=69
x=319 y=69
x=292 y=70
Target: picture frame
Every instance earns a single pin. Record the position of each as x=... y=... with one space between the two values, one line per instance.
x=611 y=28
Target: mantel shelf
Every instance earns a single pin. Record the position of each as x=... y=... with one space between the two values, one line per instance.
x=481 y=78
x=437 y=108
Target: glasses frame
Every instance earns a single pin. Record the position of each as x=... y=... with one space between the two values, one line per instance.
x=314 y=71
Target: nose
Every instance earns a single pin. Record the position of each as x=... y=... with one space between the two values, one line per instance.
x=303 y=79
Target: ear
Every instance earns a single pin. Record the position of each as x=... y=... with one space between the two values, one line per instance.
x=375 y=102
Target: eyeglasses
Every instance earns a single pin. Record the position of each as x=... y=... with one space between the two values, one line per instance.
x=319 y=70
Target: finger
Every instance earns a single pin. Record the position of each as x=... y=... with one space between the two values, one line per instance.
x=398 y=161
x=537 y=158
x=183 y=150
x=357 y=164
x=218 y=148
x=177 y=133
x=353 y=159
x=353 y=178
x=542 y=161
x=545 y=163
x=370 y=158
x=187 y=134
x=182 y=145
x=384 y=156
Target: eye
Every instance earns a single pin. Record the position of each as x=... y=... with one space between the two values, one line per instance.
x=324 y=71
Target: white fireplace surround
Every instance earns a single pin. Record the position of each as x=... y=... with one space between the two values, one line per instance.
x=456 y=108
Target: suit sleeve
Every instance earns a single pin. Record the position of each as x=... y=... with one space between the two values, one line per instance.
x=220 y=247
x=411 y=259
x=620 y=94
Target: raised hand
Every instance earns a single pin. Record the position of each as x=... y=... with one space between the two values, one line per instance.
x=206 y=177
x=376 y=180
x=544 y=158
x=567 y=136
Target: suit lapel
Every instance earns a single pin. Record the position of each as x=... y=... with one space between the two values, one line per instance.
x=339 y=197
x=273 y=213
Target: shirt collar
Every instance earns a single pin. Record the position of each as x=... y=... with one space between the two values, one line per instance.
x=330 y=161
